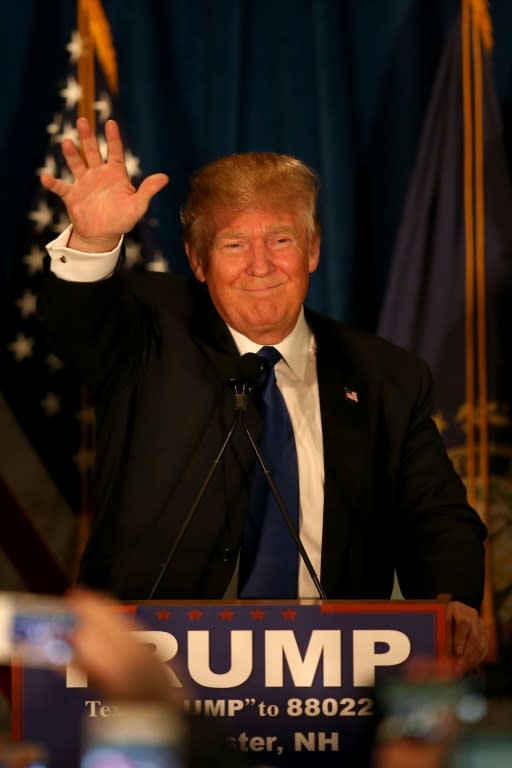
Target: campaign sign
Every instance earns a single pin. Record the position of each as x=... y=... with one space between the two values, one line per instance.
x=289 y=683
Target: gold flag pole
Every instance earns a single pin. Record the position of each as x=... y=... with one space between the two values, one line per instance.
x=476 y=31
x=96 y=41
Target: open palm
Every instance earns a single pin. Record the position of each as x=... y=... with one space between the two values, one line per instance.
x=101 y=202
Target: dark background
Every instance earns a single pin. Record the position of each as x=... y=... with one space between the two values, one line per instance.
x=342 y=84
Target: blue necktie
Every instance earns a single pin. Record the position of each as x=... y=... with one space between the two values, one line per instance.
x=269 y=557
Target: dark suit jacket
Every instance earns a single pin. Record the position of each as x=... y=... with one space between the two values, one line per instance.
x=158 y=360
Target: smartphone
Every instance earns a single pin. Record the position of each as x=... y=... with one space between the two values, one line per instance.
x=487 y=743
x=484 y=748
x=140 y=735
x=426 y=710
x=34 y=630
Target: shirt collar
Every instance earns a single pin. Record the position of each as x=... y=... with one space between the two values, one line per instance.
x=294 y=348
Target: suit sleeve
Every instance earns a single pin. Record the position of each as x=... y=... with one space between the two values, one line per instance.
x=99 y=328
x=439 y=536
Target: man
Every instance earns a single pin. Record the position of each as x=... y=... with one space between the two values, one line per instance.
x=377 y=490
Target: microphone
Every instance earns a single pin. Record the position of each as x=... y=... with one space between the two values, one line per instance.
x=249 y=368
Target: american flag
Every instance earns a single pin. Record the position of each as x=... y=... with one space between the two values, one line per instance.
x=46 y=424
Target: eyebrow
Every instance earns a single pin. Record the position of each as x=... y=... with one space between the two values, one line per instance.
x=273 y=230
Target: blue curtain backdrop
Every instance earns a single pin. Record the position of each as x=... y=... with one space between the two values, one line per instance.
x=342 y=84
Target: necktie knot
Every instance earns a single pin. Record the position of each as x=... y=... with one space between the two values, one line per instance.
x=268 y=560
x=271 y=355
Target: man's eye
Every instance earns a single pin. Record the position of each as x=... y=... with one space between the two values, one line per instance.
x=232 y=246
x=280 y=241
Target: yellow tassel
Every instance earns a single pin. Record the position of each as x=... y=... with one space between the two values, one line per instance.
x=102 y=38
x=483 y=22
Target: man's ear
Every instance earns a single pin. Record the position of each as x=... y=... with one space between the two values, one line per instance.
x=195 y=262
x=314 y=254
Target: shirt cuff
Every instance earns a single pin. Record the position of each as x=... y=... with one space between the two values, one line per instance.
x=80 y=266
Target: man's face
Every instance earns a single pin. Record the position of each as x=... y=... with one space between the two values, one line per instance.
x=258 y=270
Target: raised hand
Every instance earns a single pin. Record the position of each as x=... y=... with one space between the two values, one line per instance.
x=101 y=202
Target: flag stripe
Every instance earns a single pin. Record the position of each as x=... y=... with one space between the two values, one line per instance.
x=33 y=560
x=35 y=493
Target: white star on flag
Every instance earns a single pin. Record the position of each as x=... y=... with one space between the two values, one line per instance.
x=50 y=404
x=159 y=263
x=53 y=362
x=132 y=164
x=27 y=303
x=41 y=216
x=22 y=347
x=75 y=47
x=72 y=93
x=103 y=107
x=34 y=260
x=49 y=167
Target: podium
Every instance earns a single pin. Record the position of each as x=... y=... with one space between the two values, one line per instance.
x=289 y=683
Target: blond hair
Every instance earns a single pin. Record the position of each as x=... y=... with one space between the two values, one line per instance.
x=248 y=180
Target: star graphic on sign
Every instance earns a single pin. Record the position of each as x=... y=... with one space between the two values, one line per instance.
x=195 y=615
x=42 y=216
x=34 y=260
x=289 y=615
x=27 y=303
x=258 y=615
x=53 y=362
x=21 y=347
x=163 y=615
x=50 y=404
x=75 y=47
x=103 y=107
x=226 y=615
x=72 y=93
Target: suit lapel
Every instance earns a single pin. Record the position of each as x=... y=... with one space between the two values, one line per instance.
x=218 y=347
x=345 y=402
x=344 y=407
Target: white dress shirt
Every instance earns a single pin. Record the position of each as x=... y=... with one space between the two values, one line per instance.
x=296 y=378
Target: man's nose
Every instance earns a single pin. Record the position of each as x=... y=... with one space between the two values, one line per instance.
x=259 y=258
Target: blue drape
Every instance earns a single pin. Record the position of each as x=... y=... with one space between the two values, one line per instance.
x=342 y=84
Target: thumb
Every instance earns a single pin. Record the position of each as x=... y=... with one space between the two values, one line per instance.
x=150 y=186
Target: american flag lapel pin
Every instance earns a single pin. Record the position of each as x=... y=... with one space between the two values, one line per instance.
x=351 y=394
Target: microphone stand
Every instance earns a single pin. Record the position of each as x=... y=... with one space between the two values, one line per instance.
x=242 y=387
x=266 y=471
x=240 y=406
